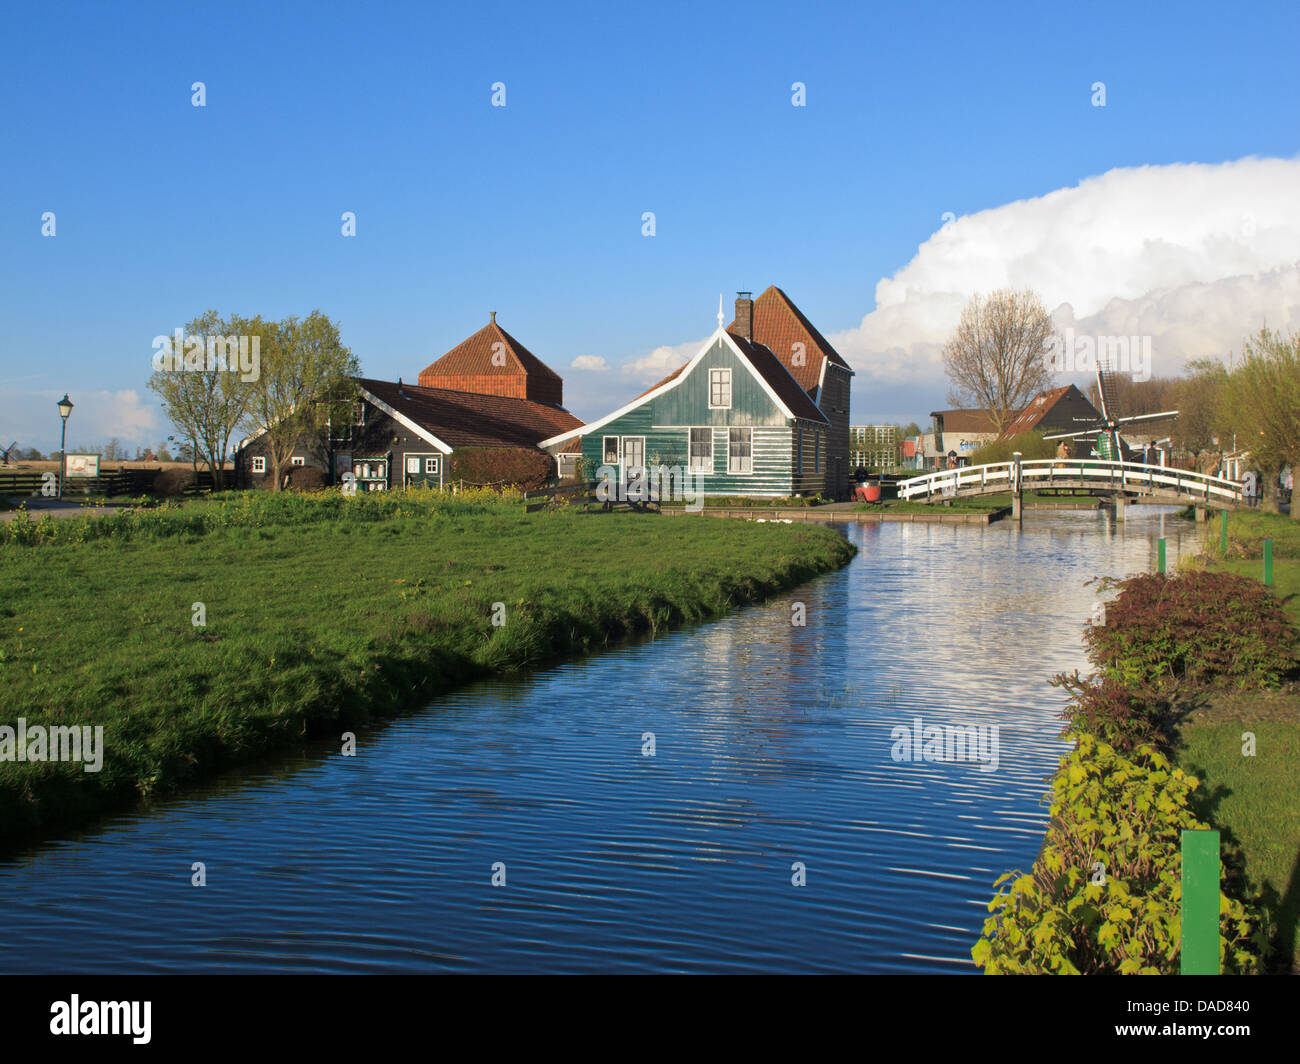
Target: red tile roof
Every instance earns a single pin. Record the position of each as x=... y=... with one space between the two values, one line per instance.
x=779 y=325
x=1039 y=407
x=473 y=357
x=467 y=419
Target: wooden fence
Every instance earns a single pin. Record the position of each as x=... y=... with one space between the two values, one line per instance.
x=22 y=484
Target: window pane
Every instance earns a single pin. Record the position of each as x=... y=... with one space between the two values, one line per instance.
x=611 y=450
x=740 y=451
x=702 y=450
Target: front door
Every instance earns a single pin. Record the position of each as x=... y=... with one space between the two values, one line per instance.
x=633 y=457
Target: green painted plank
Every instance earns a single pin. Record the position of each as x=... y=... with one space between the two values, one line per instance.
x=1200 y=915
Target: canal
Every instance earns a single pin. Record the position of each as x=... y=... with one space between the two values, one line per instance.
x=650 y=809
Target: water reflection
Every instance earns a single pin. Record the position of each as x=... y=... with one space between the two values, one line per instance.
x=772 y=746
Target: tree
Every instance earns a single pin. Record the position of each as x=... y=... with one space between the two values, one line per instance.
x=994 y=359
x=1264 y=396
x=206 y=396
x=306 y=380
x=162 y=454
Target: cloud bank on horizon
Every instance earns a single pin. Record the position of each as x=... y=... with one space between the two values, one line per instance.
x=1197 y=256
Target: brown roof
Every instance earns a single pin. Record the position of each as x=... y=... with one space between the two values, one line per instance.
x=1039 y=407
x=779 y=325
x=474 y=356
x=467 y=419
x=966 y=420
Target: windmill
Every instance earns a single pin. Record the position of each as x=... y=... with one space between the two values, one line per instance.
x=1106 y=429
x=6 y=451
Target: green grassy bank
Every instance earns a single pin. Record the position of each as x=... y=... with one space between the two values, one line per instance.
x=323 y=612
x=1255 y=800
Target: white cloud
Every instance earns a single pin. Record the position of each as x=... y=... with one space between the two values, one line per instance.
x=662 y=361
x=32 y=418
x=1197 y=256
x=595 y=363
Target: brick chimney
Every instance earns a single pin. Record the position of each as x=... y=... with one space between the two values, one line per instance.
x=745 y=314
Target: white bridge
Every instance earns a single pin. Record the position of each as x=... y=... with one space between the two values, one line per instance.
x=1123 y=481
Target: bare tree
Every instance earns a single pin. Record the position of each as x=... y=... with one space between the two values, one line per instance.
x=995 y=359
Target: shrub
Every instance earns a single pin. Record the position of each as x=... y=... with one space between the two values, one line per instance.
x=172 y=481
x=1104 y=707
x=1031 y=445
x=306 y=478
x=521 y=466
x=1197 y=628
x=1118 y=820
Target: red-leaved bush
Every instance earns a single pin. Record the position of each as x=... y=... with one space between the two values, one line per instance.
x=1196 y=628
x=498 y=466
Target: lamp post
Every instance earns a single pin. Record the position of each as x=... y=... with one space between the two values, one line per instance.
x=65 y=408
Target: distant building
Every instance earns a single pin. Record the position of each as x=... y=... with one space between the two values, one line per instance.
x=477 y=415
x=1057 y=410
x=962 y=431
x=873 y=446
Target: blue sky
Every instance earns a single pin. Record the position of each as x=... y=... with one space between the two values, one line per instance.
x=534 y=209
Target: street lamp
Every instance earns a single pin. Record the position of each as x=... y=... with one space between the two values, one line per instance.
x=65 y=408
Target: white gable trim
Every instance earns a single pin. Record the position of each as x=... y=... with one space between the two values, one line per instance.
x=668 y=386
x=402 y=419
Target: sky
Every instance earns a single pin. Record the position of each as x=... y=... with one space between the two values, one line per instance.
x=937 y=151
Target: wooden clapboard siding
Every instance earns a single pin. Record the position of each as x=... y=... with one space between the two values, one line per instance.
x=688 y=403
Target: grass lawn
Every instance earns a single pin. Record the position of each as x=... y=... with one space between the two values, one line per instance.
x=1256 y=800
x=1253 y=801
x=322 y=612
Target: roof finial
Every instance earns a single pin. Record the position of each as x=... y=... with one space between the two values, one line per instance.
x=494 y=317
x=721 y=316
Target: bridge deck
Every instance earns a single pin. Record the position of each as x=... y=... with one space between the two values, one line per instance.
x=1096 y=476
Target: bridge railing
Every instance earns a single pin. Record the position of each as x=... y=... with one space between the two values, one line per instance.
x=1135 y=477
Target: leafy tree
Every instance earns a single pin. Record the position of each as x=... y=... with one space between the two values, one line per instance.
x=207 y=397
x=994 y=359
x=1264 y=392
x=306 y=381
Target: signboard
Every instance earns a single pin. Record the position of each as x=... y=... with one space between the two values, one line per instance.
x=82 y=465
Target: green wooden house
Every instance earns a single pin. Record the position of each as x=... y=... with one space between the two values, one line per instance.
x=733 y=418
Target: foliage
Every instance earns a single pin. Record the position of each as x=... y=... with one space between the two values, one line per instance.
x=202 y=391
x=1118 y=820
x=1264 y=396
x=1196 y=628
x=1031 y=445
x=306 y=381
x=522 y=467
x=1104 y=707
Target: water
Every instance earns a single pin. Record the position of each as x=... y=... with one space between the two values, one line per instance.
x=772 y=746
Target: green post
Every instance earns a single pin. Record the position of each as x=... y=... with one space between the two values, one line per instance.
x=1268 y=563
x=1223 y=532
x=1200 y=915
x=1160 y=555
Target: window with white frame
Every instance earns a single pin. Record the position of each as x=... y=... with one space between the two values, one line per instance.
x=701 y=451
x=431 y=466
x=720 y=388
x=297 y=460
x=610 y=451
x=740 y=451
x=259 y=464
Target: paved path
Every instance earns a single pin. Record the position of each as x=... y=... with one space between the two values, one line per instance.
x=39 y=507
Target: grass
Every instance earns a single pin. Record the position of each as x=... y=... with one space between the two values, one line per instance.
x=1255 y=801
x=324 y=612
